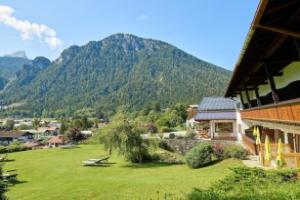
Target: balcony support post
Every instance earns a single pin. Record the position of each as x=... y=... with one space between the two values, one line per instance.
x=248 y=98
x=242 y=99
x=272 y=85
x=257 y=96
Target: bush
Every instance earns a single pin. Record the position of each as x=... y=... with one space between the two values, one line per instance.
x=75 y=135
x=218 y=151
x=14 y=147
x=252 y=183
x=199 y=156
x=167 y=158
x=164 y=145
x=172 y=135
x=234 y=151
x=165 y=129
x=191 y=134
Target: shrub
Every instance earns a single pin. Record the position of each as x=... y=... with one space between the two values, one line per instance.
x=172 y=135
x=191 y=134
x=167 y=158
x=14 y=147
x=234 y=151
x=165 y=129
x=164 y=145
x=218 y=151
x=75 y=135
x=252 y=183
x=200 y=155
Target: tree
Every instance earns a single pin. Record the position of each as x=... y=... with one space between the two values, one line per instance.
x=36 y=123
x=125 y=136
x=86 y=123
x=95 y=123
x=9 y=125
x=75 y=135
x=77 y=123
x=63 y=128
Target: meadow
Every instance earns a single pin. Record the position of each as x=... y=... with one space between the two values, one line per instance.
x=58 y=174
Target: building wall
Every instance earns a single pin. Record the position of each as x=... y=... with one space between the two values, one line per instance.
x=212 y=128
x=291 y=73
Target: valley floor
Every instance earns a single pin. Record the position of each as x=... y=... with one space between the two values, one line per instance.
x=58 y=174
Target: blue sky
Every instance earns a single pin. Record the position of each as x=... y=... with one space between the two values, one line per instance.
x=212 y=30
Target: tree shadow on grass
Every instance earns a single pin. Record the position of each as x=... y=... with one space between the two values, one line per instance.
x=150 y=165
x=14 y=181
x=8 y=160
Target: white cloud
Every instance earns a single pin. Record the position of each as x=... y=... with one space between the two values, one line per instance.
x=29 y=30
x=143 y=17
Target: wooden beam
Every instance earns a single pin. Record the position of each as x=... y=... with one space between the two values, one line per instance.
x=257 y=96
x=272 y=85
x=297 y=46
x=276 y=74
x=242 y=99
x=248 y=98
x=259 y=12
x=278 y=41
x=282 y=6
x=283 y=31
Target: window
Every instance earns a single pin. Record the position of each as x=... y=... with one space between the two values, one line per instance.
x=224 y=128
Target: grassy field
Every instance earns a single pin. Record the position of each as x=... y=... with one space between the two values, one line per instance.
x=58 y=174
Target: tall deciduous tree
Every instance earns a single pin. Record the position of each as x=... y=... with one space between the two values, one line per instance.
x=125 y=136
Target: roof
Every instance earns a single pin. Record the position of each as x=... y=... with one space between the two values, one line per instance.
x=44 y=129
x=14 y=134
x=202 y=116
x=57 y=140
x=270 y=41
x=216 y=104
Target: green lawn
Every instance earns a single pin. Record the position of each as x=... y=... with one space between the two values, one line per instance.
x=58 y=174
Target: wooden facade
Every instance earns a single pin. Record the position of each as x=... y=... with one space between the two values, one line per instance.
x=266 y=80
x=287 y=112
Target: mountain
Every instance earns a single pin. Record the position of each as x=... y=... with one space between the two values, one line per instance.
x=121 y=69
x=10 y=64
x=17 y=54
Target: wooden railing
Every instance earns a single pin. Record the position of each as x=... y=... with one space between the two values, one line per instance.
x=291 y=159
x=295 y=157
x=249 y=144
x=288 y=111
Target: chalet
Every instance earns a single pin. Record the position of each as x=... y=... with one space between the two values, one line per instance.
x=266 y=81
x=8 y=137
x=47 y=132
x=56 y=141
x=218 y=118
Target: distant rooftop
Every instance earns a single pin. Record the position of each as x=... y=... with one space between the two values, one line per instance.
x=215 y=116
x=216 y=103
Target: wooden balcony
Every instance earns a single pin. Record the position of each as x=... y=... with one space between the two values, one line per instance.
x=286 y=112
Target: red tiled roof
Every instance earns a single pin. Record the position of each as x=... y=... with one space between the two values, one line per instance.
x=57 y=140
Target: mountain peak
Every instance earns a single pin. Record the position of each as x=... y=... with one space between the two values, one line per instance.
x=17 y=54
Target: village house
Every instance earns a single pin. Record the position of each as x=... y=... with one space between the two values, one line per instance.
x=191 y=112
x=47 y=132
x=56 y=141
x=266 y=82
x=8 y=137
x=217 y=118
